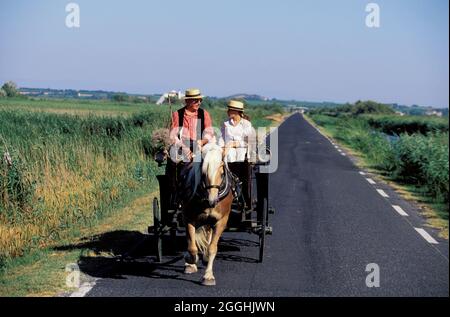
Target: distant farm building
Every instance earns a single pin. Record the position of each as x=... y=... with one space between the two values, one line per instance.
x=81 y=95
x=433 y=113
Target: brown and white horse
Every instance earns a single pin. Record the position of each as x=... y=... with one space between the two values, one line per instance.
x=206 y=212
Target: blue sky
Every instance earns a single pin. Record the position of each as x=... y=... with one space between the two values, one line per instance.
x=318 y=50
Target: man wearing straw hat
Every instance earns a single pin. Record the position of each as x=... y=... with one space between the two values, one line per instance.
x=191 y=128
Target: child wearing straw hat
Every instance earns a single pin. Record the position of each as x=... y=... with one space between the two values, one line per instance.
x=235 y=133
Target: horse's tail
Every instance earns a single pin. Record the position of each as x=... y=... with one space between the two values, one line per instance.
x=203 y=239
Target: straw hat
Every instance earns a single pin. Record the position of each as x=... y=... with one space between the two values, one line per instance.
x=193 y=93
x=236 y=105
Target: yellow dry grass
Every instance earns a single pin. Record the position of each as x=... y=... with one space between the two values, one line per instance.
x=277 y=118
x=67 y=197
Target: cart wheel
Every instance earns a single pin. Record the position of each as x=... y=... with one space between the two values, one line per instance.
x=262 y=233
x=157 y=226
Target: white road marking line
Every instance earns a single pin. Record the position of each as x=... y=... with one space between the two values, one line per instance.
x=371 y=181
x=400 y=210
x=362 y=173
x=343 y=154
x=382 y=193
x=426 y=236
x=339 y=150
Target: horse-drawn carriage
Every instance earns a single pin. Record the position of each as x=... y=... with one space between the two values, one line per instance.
x=254 y=219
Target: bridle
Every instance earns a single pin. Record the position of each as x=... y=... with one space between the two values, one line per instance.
x=224 y=187
x=212 y=186
x=218 y=187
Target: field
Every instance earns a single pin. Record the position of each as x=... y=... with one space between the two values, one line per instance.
x=66 y=164
x=410 y=150
x=71 y=106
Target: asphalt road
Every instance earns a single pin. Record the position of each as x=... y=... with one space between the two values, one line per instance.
x=330 y=223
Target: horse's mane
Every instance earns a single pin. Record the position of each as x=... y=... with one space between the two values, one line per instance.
x=212 y=158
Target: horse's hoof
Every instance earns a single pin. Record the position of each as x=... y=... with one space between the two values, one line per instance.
x=190 y=260
x=189 y=269
x=209 y=282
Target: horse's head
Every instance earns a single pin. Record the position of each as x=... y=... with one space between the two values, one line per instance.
x=212 y=170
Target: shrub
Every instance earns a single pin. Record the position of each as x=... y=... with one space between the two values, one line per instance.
x=10 y=88
x=407 y=124
x=16 y=189
x=424 y=161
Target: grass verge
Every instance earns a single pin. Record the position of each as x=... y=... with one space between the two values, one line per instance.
x=42 y=272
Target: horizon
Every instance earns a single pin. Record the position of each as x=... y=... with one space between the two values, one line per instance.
x=317 y=51
x=270 y=98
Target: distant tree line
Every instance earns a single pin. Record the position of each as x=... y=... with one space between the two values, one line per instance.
x=123 y=97
x=360 y=107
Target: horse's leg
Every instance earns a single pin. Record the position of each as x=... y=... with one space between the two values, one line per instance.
x=191 y=258
x=206 y=255
x=208 y=278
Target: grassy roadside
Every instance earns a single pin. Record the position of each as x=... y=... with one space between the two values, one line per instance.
x=42 y=273
x=278 y=118
x=434 y=213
